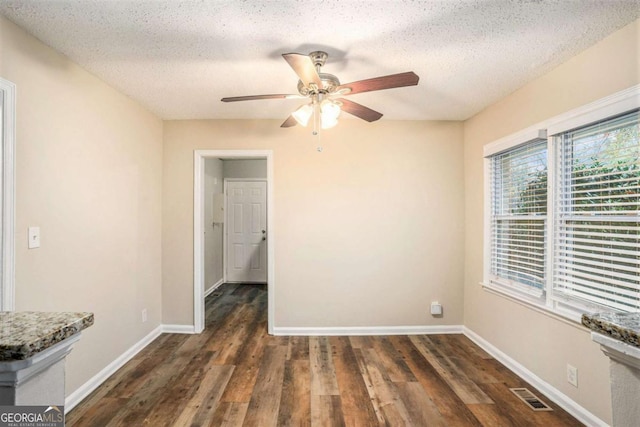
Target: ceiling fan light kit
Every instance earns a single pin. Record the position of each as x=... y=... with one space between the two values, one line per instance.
x=323 y=88
x=329 y=112
x=303 y=114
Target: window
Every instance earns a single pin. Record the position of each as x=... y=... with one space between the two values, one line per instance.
x=563 y=213
x=597 y=227
x=518 y=217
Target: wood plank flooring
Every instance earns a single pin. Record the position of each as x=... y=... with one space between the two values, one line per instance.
x=235 y=374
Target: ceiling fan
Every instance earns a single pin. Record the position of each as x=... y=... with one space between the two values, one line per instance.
x=325 y=92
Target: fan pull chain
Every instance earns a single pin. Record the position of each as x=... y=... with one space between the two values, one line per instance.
x=316 y=117
x=316 y=123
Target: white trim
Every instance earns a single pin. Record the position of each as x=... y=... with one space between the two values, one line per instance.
x=561 y=399
x=177 y=329
x=7 y=280
x=245 y=179
x=617 y=103
x=94 y=382
x=487 y=199
x=550 y=228
x=214 y=287
x=530 y=134
x=613 y=105
x=198 y=242
x=368 y=330
x=225 y=209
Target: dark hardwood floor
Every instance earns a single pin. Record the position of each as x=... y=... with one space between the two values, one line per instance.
x=235 y=374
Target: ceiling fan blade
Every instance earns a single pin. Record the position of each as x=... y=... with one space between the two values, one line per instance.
x=379 y=83
x=254 y=97
x=358 y=110
x=290 y=122
x=304 y=68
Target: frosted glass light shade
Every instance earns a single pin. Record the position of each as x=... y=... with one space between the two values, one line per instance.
x=328 y=122
x=303 y=114
x=329 y=114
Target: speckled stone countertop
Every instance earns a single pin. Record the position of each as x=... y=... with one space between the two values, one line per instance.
x=624 y=327
x=25 y=333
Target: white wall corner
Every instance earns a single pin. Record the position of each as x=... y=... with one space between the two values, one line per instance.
x=94 y=382
x=561 y=399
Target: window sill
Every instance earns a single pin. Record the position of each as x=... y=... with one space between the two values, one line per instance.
x=570 y=317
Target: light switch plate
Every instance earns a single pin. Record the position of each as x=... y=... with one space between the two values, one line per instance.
x=34 y=237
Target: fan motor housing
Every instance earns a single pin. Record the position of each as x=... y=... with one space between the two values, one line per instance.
x=329 y=85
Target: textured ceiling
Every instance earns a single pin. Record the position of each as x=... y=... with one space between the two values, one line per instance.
x=178 y=58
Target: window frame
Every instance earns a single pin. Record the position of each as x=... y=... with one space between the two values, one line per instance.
x=619 y=103
x=529 y=292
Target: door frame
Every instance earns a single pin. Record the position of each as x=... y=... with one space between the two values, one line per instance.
x=226 y=221
x=199 y=157
x=7 y=195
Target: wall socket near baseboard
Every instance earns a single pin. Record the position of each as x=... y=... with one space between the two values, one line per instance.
x=436 y=309
x=144 y=315
x=572 y=375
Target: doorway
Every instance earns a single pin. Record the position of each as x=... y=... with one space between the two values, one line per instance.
x=201 y=201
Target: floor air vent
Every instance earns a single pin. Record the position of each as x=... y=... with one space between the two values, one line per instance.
x=530 y=399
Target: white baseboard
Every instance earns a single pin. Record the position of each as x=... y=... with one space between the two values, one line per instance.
x=549 y=391
x=178 y=329
x=214 y=287
x=84 y=390
x=368 y=330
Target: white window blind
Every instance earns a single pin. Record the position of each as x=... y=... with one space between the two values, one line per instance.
x=597 y=220
x=518 y=217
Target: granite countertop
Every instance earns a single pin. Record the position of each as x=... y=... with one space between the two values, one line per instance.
x=624 y=327
x=25 y=333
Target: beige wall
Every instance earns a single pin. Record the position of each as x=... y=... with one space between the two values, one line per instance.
x=541 y=343
x=367 y=232
x=89 y=164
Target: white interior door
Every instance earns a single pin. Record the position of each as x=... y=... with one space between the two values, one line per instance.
x=247 y=231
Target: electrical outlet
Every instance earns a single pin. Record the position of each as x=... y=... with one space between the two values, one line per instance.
x=144 y=315
x=436 y=309
x=572 y=375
